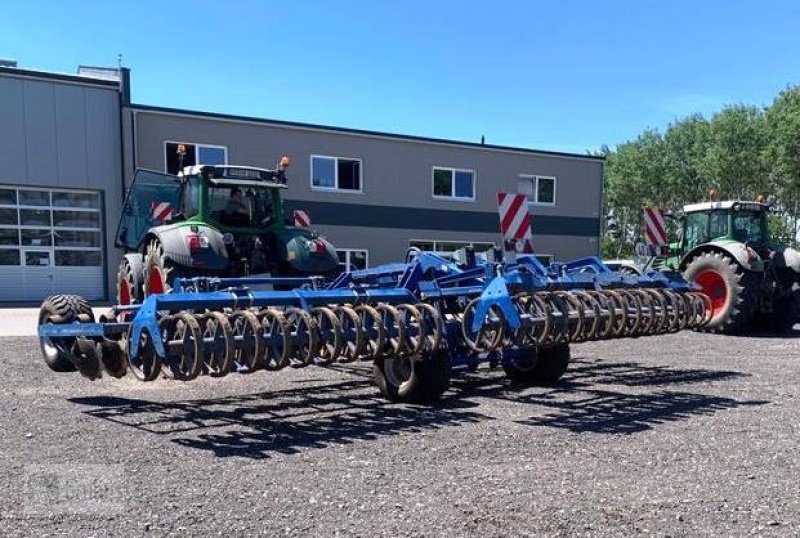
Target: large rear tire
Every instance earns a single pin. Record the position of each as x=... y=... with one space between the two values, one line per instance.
x=731 y=289
x=62 y=309
x=413 y=379
x=130 y=275
x=158 y=269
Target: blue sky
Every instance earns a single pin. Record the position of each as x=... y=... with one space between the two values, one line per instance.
x=563 y=75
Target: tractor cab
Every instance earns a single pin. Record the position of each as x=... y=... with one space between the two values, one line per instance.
x=741 y=222
x=234 y=198
x=213 y=220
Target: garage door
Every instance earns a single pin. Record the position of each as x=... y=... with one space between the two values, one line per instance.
x=50 y=242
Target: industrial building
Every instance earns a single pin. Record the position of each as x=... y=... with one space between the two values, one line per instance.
x=69 y=145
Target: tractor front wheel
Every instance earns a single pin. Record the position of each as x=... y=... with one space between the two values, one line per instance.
x=729 y=287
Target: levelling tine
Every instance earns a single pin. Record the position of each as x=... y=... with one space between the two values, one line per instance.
x=248 y=338
x=218 y=344
x=542 y=321
x=374 y=332
x=305 y=337
x=330 y=334
x=633 y=329
x=434 y=326
x=607 y=315
x=575 y=315
x=491 y=332
x=592 y=306
x=621 y=312
x=352 y=332
x=277 y=339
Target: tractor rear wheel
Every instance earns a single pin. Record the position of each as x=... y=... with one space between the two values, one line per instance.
x=129 y=279
x=543 y=367
x=413 y=379
x=158 y=269
x=732 y=291
x=62 y=309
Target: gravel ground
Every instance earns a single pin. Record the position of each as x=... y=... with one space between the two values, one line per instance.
x=680 y=435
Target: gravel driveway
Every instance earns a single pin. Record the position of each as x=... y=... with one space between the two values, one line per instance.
x=679 y=435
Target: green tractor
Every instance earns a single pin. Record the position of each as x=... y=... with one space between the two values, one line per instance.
x=725 y=248
x=212 y=221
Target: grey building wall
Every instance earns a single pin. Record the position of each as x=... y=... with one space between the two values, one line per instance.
x=63 y=132
x=396 y=203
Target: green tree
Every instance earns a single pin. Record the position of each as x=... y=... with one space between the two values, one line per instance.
x=734 y=163
x=783 y=151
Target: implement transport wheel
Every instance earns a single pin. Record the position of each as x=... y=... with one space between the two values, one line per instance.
x=413 y=379
x=61 y=309
x=541 y=367
x=785 y=313
x=730 y=288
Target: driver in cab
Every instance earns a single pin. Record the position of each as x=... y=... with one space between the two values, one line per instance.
x=236 y=211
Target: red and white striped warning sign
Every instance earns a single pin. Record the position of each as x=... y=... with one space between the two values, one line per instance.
x=655 y=229
x=515 y=222
x=161 y=211
x=301 y=218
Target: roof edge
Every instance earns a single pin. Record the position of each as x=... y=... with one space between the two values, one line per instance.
x=360 y=132
x=61 y=77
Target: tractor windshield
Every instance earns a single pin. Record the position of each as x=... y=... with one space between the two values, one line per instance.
x=240 y=207
x=749 y=227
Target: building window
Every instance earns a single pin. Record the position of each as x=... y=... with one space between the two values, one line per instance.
x=453 y=184
x=352 y=259
x=43 y=227
x=195 y=154
x=449 y=246
x=539 y=189
x=335 y=173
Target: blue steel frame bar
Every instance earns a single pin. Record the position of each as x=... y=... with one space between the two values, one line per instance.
x=428 y=277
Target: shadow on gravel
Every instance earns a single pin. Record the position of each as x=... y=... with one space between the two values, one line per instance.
x=287 y=421
x=577 y=405
x=602 y=411
x=284 y=421
x=633 y=374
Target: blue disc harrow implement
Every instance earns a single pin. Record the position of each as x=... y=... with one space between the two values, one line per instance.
x=418 y=322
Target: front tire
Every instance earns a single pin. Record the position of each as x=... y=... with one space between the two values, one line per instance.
x=421 y=379
x=62 y=309
x=730 y=288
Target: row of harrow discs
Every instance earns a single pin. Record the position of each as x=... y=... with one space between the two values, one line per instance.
x=553 y=317
x=244 y=340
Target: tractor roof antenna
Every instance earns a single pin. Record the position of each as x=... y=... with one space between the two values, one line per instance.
x=119 y=61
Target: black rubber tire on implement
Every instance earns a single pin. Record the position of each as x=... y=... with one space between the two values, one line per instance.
x=62 y=309
x=414 y=380
x=737 y=297
x=785 y=313
x=544 y=368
